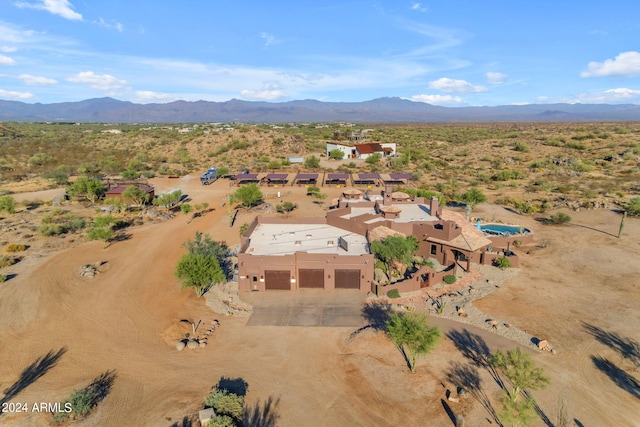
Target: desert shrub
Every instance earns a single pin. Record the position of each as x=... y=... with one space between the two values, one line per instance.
x=381 y=265
x=393 y=293
x=633 y=207
x=522 y=147
x=312 y=162
x=15 y=247
x=7 y=261
x=508 y=175
x=449 y=279
x=576 y=145
x=373 y=159
x=3 y=278
x=560 y=218
x=59 y=222
x=8 y=204
x=285 y=207
x=243 y=228
x=581 y=167
x=502 y=262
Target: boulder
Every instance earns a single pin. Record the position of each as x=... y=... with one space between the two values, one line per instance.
x=192 y=344
x=542 y=344
x=180 y=345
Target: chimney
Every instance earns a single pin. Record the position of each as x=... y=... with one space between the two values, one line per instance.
x=434 y=207
x=387 y=195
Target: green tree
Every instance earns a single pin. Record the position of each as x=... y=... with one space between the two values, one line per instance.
x=312 y=162
x=105 y=234
x=168 y=200
x=186 y=208
x=248 y=195
x=7 y=204
x=396 y=248
x=116 y=204
x=373 y=159
x=199 y=272
x=91 y=188
x=203 y=244
x=523 y=375
x=412 y=334
x=224 y=402
x=136 y=195
x=336 y=154
x=473 y=197
x=519 y=368
x=223 y=171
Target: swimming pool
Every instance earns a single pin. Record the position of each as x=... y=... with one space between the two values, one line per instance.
x=503 y=230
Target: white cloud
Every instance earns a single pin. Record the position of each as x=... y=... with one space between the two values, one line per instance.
x=625 y=64
x=101 y=82
x=5 y=60
x=419 y=7
x=269 y=39
x=58 y=7
x=150 y=96
x=113 y=25
x=496 y=78
x=8 y=49
x=438 y=99
x=264 y=95
x=611 y=96
x=15 y=95
x=36 y=80
x=455 y=86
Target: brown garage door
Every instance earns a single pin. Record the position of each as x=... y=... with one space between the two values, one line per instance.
x=347 y=279
x=312 y=278
x=277 y=279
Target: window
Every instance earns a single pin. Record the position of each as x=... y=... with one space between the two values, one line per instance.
x=434 y=249
x=255 y=278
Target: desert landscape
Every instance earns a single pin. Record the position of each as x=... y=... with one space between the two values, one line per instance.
x=577 y=287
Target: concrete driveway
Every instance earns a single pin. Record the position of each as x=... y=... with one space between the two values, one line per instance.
x=308 y=307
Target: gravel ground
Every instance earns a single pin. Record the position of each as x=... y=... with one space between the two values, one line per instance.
x=458 y=306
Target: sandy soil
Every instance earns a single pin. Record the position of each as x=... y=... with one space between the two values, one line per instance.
x=583 y=285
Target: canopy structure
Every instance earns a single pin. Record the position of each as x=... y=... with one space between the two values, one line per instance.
x=367 y=179
x=246 y=178
x=336 y=178
x=398 y=179
x=306 y=179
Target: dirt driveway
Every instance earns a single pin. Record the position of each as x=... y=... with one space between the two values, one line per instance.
x=306 y=308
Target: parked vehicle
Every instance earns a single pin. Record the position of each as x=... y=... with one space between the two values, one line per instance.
x=209 y=176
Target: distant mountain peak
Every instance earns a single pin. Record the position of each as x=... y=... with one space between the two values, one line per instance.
x=384 y=109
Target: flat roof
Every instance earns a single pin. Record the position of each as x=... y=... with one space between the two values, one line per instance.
x=241 y=176
x=369 y=176
x=307 y=176
x=277 y=176
x=286 y=239
x=359 y=211
x=337 y=175
x=411 y=212
x=400 y=176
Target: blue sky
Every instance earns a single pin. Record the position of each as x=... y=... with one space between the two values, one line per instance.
x=446 y=52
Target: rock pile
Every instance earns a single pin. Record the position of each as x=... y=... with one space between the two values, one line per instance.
x=90 y=270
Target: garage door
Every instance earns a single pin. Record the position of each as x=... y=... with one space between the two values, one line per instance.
x=277 y=279
x=311 y=278
x=347 y=279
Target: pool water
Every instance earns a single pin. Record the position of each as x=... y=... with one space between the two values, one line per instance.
x=503 y=230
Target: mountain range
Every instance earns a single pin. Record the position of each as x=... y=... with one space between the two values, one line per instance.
x=109 y=110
